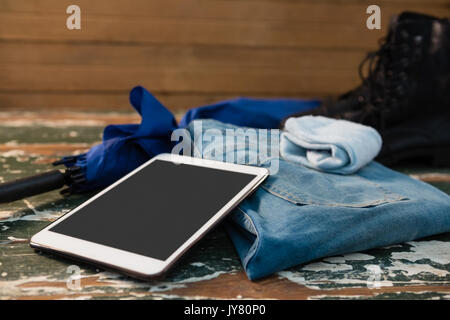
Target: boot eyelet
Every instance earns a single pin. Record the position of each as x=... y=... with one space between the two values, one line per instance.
x=404 y=34
x=418 y=39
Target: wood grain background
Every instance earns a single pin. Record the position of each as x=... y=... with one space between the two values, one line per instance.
x=187 y=52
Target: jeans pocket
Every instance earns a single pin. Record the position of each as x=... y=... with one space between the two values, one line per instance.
x=304 y=186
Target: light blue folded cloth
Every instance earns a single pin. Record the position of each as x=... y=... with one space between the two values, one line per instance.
x=330 y=145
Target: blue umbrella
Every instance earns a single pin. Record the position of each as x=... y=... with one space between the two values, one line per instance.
x=127 y=146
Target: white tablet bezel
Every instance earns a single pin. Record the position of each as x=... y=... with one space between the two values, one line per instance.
x=132 y=263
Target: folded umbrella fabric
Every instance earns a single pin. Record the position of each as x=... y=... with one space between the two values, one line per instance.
x=127 y=146
x=329 y=145
x=250 y=112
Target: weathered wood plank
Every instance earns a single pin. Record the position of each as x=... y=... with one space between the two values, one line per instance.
x=190 y=52
x=315 y=26
x=183 y=79
x=65 y=119
x=200 y=56
x=36 y=68
x=415 y=270
x=239 y=287
x=50 y=27
x=326 y=11
x=118 y=100
x=169 y=63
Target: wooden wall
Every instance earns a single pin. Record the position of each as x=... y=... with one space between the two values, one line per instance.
x=187 y=52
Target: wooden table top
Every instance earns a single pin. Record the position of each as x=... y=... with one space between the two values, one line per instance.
x=29 y=142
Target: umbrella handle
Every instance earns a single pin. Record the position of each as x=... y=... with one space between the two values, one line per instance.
x=30 y=186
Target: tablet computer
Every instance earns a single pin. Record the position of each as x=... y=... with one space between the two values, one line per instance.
x=144 y=222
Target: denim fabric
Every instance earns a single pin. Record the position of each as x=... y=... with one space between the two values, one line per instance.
x=300 y=214
x=330 y=145
x=126 y=146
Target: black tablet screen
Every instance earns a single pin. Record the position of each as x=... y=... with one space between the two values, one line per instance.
x=156 y=210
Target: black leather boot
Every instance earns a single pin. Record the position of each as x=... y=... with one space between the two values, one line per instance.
x=406 y=93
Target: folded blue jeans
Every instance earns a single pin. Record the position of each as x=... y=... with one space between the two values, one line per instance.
x=300 y=214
